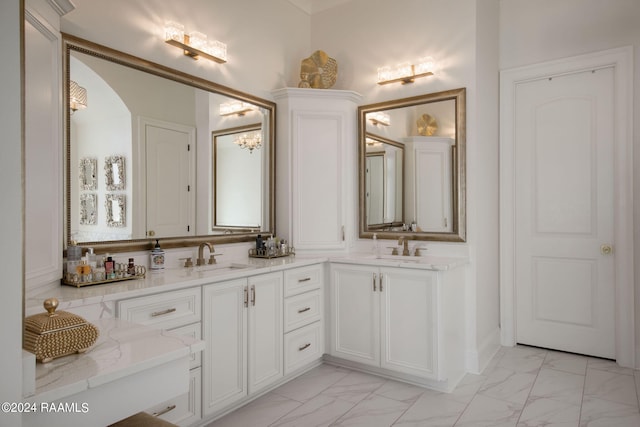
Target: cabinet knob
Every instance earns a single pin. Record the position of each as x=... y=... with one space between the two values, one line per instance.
x=606 y=249
x=151 y=233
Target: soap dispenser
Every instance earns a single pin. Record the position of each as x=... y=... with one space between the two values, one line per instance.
x=157 y=258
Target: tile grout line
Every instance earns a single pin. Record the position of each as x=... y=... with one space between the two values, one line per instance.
x=584 y=388
x=479 y=388
x=546 y=353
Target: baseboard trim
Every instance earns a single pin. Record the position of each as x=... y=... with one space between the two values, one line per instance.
x=479 y=358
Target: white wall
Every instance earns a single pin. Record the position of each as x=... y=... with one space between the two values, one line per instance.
x=11 y=229
x=532 y=32
x=265 y=39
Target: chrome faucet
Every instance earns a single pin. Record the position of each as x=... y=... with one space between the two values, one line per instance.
x=200 y=260
x=404 y=241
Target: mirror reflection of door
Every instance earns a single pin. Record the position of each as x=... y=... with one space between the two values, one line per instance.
x=375 y=187
x=169 y=179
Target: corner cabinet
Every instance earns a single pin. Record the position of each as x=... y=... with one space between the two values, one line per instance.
x=317 y=145
x=430 y=162
x=400 y=322
x=243 y=329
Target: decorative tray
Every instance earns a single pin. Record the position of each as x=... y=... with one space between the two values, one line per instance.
x=73 y=279
x=268 y=254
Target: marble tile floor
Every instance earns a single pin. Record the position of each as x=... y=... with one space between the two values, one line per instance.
x=521 y=387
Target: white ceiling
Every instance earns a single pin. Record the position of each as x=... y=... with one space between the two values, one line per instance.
x=314 y=6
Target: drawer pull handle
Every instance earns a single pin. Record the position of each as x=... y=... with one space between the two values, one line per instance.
x=253 y=295
x=163 y=312
x=307 y=345
x=306 y=279
x=246 y=297
x=302 y=310
x=164 y=411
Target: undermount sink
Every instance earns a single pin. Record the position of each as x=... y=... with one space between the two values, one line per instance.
x=401 y=258
x=222 y=267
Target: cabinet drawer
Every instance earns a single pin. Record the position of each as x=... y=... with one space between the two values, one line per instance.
x=302 y=347
x=166 y=311
x=301 y=310
x=303 y=279
x=193 y=330
x=185 y=409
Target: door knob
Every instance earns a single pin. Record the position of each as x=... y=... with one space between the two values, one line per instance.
x=606 y=249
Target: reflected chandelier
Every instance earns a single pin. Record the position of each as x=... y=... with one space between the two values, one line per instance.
x=251 y=141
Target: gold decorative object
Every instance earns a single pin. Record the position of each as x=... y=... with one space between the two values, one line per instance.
x=427 y=125
x=318 y=71
x=55 y=334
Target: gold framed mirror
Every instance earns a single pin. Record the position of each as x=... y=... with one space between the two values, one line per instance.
x=429 y=202
x=149 y=128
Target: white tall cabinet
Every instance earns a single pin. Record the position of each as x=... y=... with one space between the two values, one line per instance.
x=317 y=145
x=429 y=172
x=43 y=148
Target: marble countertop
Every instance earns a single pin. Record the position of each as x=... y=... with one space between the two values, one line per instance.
x=122 y=349
x=171 y=279
x=429 y=262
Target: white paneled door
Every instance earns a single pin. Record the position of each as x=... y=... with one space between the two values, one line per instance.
x=564 y=212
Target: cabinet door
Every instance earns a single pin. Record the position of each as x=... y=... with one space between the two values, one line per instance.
x=409 y=321
x=224 y=329
x=265 y=330
x=355 y=314
x=42 y=152
x=433 y=183
x=318 y=209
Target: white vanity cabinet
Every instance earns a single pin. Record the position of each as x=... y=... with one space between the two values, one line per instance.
x=243 y=330
x=303 y=313
x=399 y=321
x=316 y=148
x=179 y=312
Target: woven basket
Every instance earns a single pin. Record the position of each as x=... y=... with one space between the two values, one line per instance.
x=56 y=334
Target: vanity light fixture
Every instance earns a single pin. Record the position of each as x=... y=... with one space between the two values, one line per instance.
x=251 y=141
x=77 y=97
x=379 y=118
x=194 y=44
x=236 y=107
x=406 y=72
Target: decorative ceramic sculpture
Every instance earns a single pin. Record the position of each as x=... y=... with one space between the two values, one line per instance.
x=318 y=71
x=427 y=125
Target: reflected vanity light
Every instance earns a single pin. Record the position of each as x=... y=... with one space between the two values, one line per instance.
x=251 y=141
x=406 y=72
x=194 y=44
x=372 y=142
x=77 y=97
x=379 y=118
x=236 y=107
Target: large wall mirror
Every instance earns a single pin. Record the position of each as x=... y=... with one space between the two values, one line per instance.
x=412 y=175
x=141 y=133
